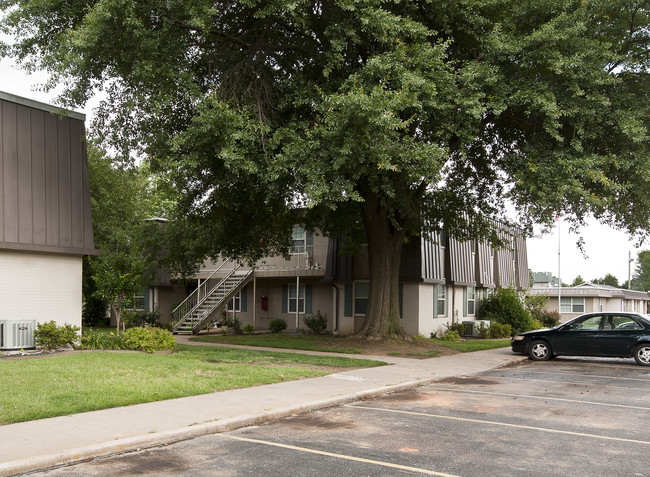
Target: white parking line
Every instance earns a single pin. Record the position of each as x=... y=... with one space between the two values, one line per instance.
x=502 y=424
x=338 y=456
x=594 y=376
x=545 y=398
x=627 y=388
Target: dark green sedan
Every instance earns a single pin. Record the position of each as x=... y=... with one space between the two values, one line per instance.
x=607 y=334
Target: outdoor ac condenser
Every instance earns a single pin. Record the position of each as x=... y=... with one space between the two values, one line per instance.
x=469 y=328
x=17 y=334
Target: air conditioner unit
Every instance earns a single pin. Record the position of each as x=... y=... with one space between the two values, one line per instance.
x=470 y=328
x=17 y=334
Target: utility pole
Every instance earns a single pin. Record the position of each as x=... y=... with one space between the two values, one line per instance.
x=629 y=270
x=559 y=276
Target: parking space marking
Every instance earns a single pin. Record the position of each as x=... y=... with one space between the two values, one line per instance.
x=338 y=456
x=627 y=388
x=593 y=376
x=545 y=398
x=502 y=424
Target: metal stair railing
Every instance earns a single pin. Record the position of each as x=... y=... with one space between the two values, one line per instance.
x=207 y=307
x=194 y=300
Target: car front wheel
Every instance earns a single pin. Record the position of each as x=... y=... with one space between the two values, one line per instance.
x=540 y=351
x=642 y=354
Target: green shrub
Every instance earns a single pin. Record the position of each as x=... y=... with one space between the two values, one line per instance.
x=94 y=311
x=316 y=323
x=451 y=335
x=457 y=327
x=483 y=330
x=142 y=318
x=277 y=325
x=249 y=328
x=536 y=305
x=505 y=306
x=148 y=339
x=499 y=330
x=50 y=336
x=549 y=319
x=92 y=339
x=231 y=321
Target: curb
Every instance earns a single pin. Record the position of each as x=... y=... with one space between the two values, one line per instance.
x=148 y=441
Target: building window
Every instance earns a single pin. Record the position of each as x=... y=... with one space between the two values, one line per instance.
x=235 y=303
x=471 y=300
x=360 y=298
x=572 y=304
x=302 y=241
x=140 y=301
x=296 y=301
x=440 y=301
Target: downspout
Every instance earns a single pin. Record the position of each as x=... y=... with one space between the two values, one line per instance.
x=335 y=311
x=298 y=300
x=254 y=299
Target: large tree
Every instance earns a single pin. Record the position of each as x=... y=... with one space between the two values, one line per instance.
x=641 y=277
x=373 y=119
x=122 y=199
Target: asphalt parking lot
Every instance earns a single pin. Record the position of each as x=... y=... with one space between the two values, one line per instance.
x=577 y=417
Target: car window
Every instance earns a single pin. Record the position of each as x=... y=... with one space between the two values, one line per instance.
x=620 y=322
x=587 y=323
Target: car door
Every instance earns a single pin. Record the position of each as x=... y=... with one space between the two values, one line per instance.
x=577 y=338
x=617 y=335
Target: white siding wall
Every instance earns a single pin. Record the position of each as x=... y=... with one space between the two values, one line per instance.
x=410 y=308
x=427 y=323
x=41 y=287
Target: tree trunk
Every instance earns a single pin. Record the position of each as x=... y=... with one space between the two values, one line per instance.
x=384 y=254
x=117 y=309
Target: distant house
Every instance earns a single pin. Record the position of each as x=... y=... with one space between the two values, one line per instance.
x=590 y=297
x=441 y=280
x=45 y=219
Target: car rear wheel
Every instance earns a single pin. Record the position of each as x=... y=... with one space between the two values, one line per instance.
x=540 y=351
x=642 y=354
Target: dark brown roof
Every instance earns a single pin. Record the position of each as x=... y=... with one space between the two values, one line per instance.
x=44 y=189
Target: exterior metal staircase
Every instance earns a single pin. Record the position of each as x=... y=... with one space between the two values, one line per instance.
x=212 y=295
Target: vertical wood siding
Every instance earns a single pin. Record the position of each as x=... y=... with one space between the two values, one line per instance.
x=339 y=267
x=523 y=279
x=485 y=265
x=462 y=258
x=505 y=256
x=43 y=182
x=433 y=257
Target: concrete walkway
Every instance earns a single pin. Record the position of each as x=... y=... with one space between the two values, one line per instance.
x=56 y=441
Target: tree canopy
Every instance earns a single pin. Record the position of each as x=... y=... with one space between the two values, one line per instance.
x=371 y=118
x=608 y=279
x=641 y=277
x=122 y=201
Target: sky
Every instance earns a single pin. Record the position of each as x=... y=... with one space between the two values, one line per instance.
x=606 y=250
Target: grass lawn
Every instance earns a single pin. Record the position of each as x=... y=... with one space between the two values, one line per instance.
x=79 y=382
x=473 y=344
x=417 y=348
x=283 y=341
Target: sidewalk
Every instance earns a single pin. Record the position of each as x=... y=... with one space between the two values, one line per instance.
x=50 y=442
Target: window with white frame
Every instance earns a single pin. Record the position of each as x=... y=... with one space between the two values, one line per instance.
x=440 y=301
x=140 y=300
x=296 y=301
x=301 y=241
x=471 y=300
x=360 y=298
x=572 y=304
x=235 y=303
